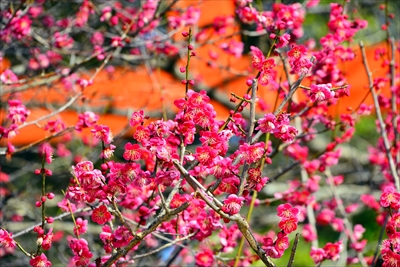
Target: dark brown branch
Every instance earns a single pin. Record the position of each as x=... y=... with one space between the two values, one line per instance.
x=293 y=252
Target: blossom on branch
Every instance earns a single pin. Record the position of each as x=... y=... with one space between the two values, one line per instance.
x=101 y=215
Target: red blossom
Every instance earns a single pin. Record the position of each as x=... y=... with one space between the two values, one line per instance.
x=308 y=233
x=317 y=254
x=103 y=133
x=132 y=152
x=232 y=204
x=48 y=240
x=137 y=118
x=288 y=225
x=80 y=226
x=205 y=258
x=6 y=239
x=390 y=258
x=332 y=250
x=40 y=261
x=390 y=197
x=287 y=211
x=101 y=215
x=282 y=243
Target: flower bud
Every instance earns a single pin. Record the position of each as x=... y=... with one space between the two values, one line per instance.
x=104 y=166
x=39 y=241
x=249 y=82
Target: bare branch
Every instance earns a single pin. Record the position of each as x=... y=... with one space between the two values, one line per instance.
x=163 y=247
x=293 y=252
x=59 y=217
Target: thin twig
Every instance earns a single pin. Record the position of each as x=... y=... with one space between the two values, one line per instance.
x=293 y=89
x=332 y=89
x=70 y=128
x=293 y=252
x=163 y=247
x=285 y=170
x=58 y=111
x=59 y=217
x=157 y=234
x=378 y=245
x=243 y=177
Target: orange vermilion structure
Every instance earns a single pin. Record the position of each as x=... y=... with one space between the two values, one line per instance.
x=126 y=90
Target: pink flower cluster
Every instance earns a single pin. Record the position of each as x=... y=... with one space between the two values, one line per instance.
x=288 y=215
x=390 y=198
x=187 y=18
x=277 y=125
x=331 y=251
x=81 y=251
x=19 y=27
x=281 y=18
x=8 y=77
x=341 y=29
x=232 y=204
x=85 y=120
x=298 y=60
x=195 y=110
x=390 y=248
x=234 y=48
x=287 y=224
x=264 y=66
x=17 y=112
x=321 y=92
x=87 y=185
x=40 y=261
x=118 y=238
x=6 y=239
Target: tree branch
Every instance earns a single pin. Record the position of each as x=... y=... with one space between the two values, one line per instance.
x=215 y=204
x=382 y=125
